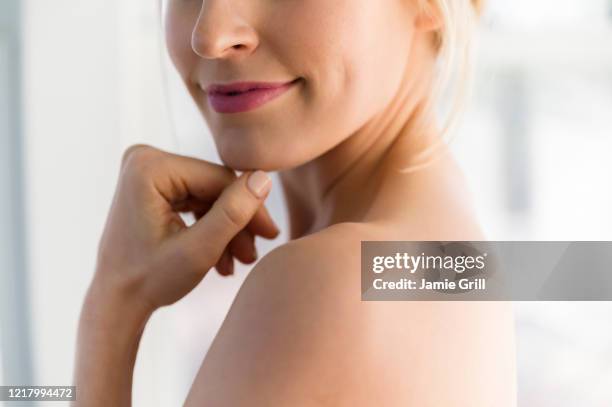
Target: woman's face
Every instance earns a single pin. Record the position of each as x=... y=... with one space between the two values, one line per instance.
x=348 y=58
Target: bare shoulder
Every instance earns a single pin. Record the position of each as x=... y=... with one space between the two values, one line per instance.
x=313 y=271
x=298 y=334
x=289 y=337
x=333 y=250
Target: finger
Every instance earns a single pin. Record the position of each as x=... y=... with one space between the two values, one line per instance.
x=263 y=225
x=242 y=247
x=198 y=207
x=223 y=263
x=207 y=238
x=176 y=177
x=230 y=266
x=188 y=183
x=200 y=211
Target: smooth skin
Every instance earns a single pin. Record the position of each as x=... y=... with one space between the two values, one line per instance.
x=298 y=333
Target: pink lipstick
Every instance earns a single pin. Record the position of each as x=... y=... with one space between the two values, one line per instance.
x=244 y=96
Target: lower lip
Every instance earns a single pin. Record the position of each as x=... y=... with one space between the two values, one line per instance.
x=243 y=102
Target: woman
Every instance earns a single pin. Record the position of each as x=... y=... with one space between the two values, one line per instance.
x=341 y=106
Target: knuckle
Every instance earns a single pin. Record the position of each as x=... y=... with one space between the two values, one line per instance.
x=234 y=214
x=137 y=153
x=140 y=158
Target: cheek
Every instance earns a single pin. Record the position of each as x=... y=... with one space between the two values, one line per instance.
x=377 y=67
x=354 y=59
x=375 y=55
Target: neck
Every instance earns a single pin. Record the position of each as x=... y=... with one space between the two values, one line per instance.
x=340 y=185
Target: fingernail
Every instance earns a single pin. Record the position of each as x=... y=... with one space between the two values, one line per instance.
x=259 y=183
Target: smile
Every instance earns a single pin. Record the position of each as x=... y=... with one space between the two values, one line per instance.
x=245 y=96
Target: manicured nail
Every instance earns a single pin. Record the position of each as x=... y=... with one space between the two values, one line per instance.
x=259 y=183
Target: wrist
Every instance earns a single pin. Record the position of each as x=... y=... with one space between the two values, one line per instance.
x=111 y=306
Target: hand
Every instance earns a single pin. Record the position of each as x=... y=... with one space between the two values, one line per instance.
x=148 y=253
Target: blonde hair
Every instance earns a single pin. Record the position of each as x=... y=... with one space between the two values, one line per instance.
x=454 y=44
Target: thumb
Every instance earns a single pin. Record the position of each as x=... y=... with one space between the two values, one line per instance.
x=230 y=213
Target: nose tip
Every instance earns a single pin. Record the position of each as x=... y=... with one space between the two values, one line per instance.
x=222 y=36
x=218 y=47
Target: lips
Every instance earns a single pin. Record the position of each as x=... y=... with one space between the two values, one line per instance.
x=244 y=96
x=241 y=87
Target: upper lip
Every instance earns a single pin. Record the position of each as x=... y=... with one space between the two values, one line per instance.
x=243 y=86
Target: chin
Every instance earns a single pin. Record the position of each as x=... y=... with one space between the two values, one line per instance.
x=256 y=156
